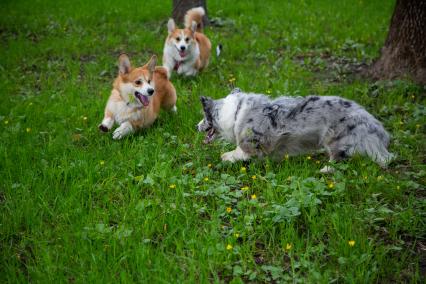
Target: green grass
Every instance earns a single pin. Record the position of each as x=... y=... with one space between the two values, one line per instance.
x=77 y=206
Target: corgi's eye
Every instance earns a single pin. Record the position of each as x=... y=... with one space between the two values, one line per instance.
x=187 y=39
x=149 y=81
x=138 y=82
x=178 y=38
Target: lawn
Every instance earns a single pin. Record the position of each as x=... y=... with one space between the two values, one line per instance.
x=160 y=206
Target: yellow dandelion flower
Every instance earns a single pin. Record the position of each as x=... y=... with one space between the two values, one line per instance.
x=330 y=185
x=209 y=165
x=253 y=177
x=206 y=179
x=308 y=157
x=351 y=243
x=101 y=162
x=253 y=196
x=229 y=247
x=288 y=246
x=84 y=117
x=236 y=235
x=243 y=169
x=28 y=130
x=6 y=122
x=245 y=188
x=228 y=209
x=268 y=91
x=172 y=186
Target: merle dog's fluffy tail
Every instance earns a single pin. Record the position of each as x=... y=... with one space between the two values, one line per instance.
x=365 y=135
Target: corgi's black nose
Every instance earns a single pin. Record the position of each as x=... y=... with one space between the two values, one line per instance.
x=182 y=48
x=150 y=91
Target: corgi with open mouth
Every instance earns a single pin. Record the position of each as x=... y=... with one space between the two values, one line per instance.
x=137 y=96
x=187 y=51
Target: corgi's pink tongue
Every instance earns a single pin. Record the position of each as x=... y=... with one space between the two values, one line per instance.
x=143 y=99
x=182 y=54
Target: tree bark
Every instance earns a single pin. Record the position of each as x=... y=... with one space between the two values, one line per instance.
x=181 y=6
x=404 y=51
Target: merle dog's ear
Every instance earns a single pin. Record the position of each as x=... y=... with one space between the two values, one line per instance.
x=207 y=102
x=124 y=64
x=171 y=26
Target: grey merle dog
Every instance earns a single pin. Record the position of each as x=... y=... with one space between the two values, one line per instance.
x=260 y=127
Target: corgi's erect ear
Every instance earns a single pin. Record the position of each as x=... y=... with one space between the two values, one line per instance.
x=171 y=25
x=152 y=63
x=124 y=64
x=194 y=26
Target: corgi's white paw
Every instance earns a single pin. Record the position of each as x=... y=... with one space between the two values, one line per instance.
x=124 y=130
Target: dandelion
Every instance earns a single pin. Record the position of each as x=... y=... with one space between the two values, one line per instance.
x=253 y=196
x=206 y=179
x=209 y=165
x=245 y=188
x=253 y=177
x=268 y=91
x=172 y=186
x=286 y=156
x=84 y=117
x=351 y=243
x=236 y=235
x=330 y=185
x=228 y=209
x=6 y=122
x=101 y=162
x=232 y=80
x=243 y=169
x=288 y=246
x=28 y=130
x=309 y=157
x=318 y=162
x=229 y=247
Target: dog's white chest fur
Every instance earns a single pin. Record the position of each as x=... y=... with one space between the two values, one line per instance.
x=227 y=117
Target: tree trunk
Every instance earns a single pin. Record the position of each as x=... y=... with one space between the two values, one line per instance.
x=404 y=51
x=181 y=6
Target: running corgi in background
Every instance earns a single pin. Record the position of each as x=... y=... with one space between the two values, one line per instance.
x=137 y=96
x=187 y=50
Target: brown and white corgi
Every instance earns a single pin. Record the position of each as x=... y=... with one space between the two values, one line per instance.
x=187 y=50
x=137 y=96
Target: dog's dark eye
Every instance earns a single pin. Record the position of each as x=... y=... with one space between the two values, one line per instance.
x=178 y=38
x=149 y=81
x=138 y=82
x=187 y=39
